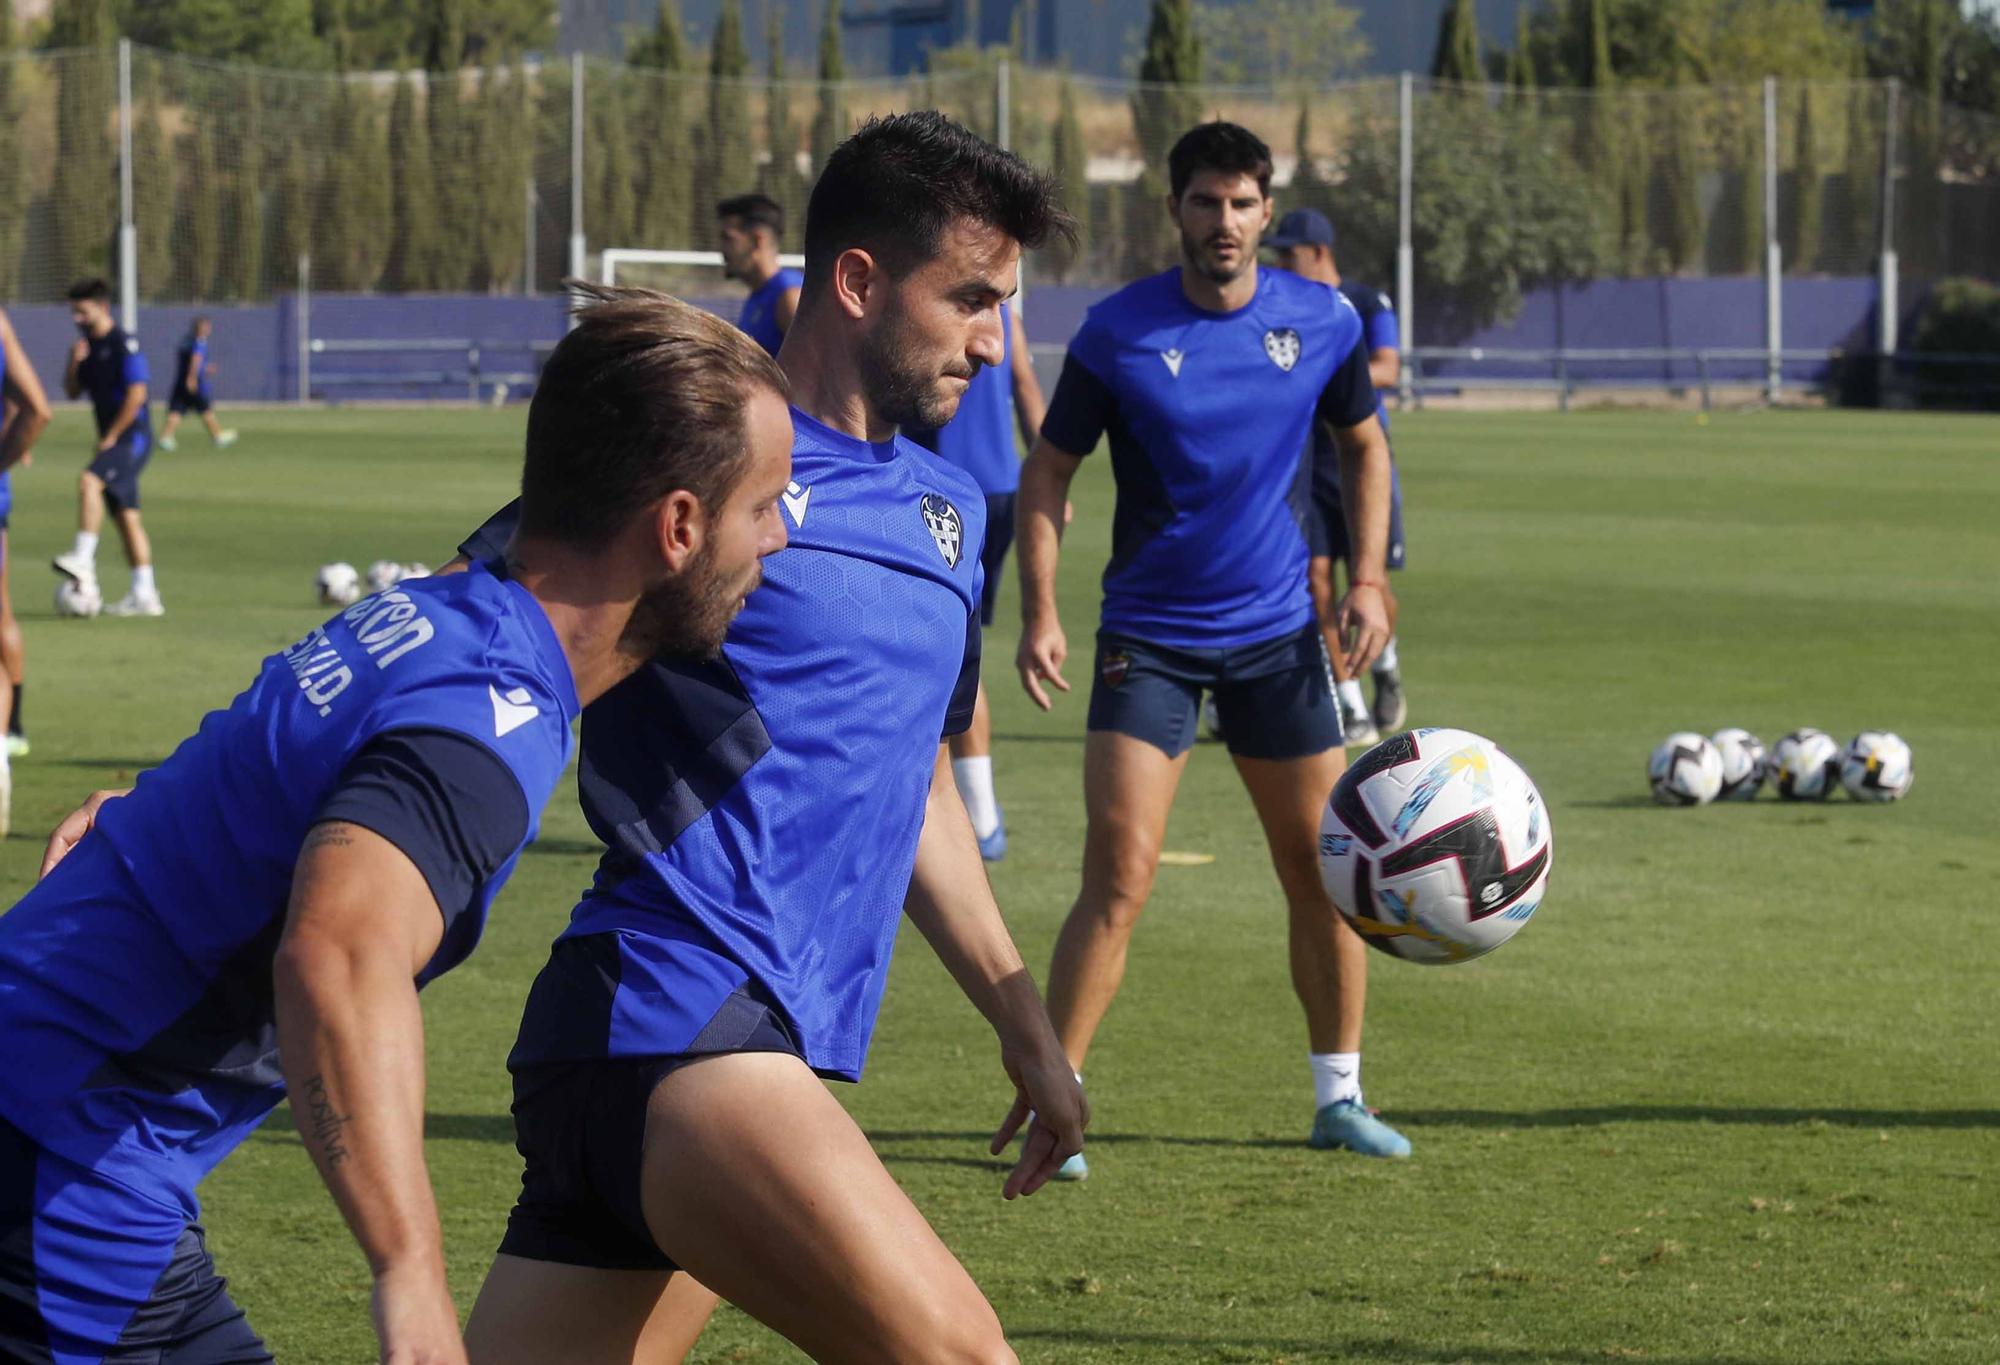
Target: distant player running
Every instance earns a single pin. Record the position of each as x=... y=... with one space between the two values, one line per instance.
x=1304 y=246
x=771 y=818
x=748 y=230
x=108 y=365
x=1207 y=379
x=980 y=440
x=255 y=919
x=191 y=392
x=24 y=413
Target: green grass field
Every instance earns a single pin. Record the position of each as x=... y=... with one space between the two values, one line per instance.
x=1731 y=1097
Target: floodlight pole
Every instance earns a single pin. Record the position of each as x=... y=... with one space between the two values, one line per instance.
x=528 y=239
x=1888 y=310
x=1774 y=263
x=576 y=239
x=303 y=322
x=128 y=232
x=1406 y=302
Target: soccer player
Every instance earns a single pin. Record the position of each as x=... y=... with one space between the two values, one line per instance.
x=980 y=440
x=1303 y=244
x=770 y=819
x=107 y=364
x=190 y=392
x=1207 y=379
x=24 y=413
x=255 y=919
x=749 y=228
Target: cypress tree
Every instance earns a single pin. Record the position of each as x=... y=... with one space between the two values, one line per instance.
x=13 y=174
x=86 y=190
x=780 y=176
x=1802 y=241
x=502 y=145
x=664 y=211
x=727 y=163
x=1457 y=55
x=198 y=253
x=291 y=231
x=1166 y=104
x=1069 y=161
x=350 y=230
x=242 y=274
x=413 y=254
x=829 y=128
x=152 y=188
x=611 y=198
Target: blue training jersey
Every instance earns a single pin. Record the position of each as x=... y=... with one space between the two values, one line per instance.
x=761 y=810
x=191 y=350
x=136 y=1000
x=1321 y=468
x=980 y=438
x=759 y=317
x=113 y=364
x=1207 y=414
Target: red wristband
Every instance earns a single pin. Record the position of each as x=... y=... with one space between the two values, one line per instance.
x=1354 y=583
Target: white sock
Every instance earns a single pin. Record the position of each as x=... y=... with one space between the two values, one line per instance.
x=1336 y=1077
x=86 y=545
x=974 y=779
x=1386 y=661
x=1350 y=695
x=142 y=580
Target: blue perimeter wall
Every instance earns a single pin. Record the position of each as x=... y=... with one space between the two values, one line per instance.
x=254 y=349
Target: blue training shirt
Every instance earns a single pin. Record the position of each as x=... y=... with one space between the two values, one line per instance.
x=980 y=438
x=113 y=365
x=1378 y=331
x=1207 y=414
x=759 y=316
x=136 y=998
x=761 y=810
x=192 y=348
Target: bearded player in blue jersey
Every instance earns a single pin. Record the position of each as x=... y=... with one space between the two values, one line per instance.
x=1207 y=380
x=748 y=231
x=770 y=818
x=980 y=440
x=256 y=917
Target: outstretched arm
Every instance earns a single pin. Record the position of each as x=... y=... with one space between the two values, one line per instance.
x=1038 y=522
x=1362 y=616
x=27 y=405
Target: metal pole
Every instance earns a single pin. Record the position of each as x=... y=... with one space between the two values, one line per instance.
x=128 y=232
x=304 y=323
x=1406 y=303
x=1774 y=303
x=1888 y=308
x=1002 y=111
x=576 y=239
x=528 y=253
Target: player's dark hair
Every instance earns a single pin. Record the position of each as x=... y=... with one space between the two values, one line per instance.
x=645 y=395
x=1227 y=147
x=755 y=210
x=93 y=288
x=895 y=186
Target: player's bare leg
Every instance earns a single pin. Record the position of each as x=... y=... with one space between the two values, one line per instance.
x=214 y=427
x=144 y=598
x=167 y=432
x=1128 y=791
x=89 y=503
x=972 y=773
x=138 y=547
x=544 y=1313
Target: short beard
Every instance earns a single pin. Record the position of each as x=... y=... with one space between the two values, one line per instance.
x=687 y=616
x=1191 y=251
x=899 y=386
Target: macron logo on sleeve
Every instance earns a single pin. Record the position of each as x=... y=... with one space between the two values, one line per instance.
x=511 y=711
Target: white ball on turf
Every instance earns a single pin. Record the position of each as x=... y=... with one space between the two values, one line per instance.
x=339 y=585
x=1435 y=846
x=1876 y=766
x=383 y=573
x=414 y=570
x=1742 y=755
x=75 y=599
x=1685 y=770
x=1804 y=765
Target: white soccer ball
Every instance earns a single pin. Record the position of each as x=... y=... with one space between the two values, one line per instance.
x=1876 y=766
x=76 y=599
x=1211 y=719
x=384 y=573
x=414 y=570
x=1804 y=765
x=1742 y=755
x=1685 y=770
x=1435 y=846
x=339 y=585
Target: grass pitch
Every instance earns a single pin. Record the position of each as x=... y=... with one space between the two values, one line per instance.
x=1730 y=1097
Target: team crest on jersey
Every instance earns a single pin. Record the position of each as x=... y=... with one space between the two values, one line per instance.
x=945 y=528
x=1282 y=345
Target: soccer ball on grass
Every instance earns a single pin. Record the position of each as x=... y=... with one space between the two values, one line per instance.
x=1742 y=755
x=1685 y=770
x=78 y=599
x=1876 y=766
x=339 y=585
x=1804 y=765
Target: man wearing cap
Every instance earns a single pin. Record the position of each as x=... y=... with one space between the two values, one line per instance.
x=1303 y=244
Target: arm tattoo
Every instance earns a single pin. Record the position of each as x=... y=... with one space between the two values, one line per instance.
x=329 y=836
x=324 y=1124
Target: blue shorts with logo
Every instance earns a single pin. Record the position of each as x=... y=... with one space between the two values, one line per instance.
x=92 y=1270
x=1274 y=698
x=180 y=400
x=581 y=1128
x=120 y=467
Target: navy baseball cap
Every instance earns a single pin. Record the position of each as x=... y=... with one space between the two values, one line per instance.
x=1302 y=227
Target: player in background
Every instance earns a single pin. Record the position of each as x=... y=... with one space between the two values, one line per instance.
x=24 y=413
x=1208 y=379
x=770 y=820
x=748 y=231
x=1303 y=244
x=980 y=440
x=255 y=919
x=108 y=365
x=190 y=392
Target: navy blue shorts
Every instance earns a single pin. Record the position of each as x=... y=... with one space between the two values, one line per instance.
x=581 y=1128
x=993 y=556
x=180 y=400
x=1326 y=525
x=91 y=1270
x=1274 y=698
x=120 y=466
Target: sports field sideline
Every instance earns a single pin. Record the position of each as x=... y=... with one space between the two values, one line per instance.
x=1729 y=1097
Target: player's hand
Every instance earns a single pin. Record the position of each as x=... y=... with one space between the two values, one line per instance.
x=1361 y=622
x=1050 y=1100
x=1040 y=658
x=79 y=352
x=73 y=827
x=106 y=443
x=415 y=1319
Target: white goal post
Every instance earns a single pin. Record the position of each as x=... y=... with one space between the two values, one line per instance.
x=616 y=256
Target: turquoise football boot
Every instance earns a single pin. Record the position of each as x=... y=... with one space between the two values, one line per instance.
x=1347 y=1124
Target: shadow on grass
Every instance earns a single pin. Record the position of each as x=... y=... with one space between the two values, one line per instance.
x=125 y=765
x=1352 y=1348
x=1038 y=739
x=588 y=848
